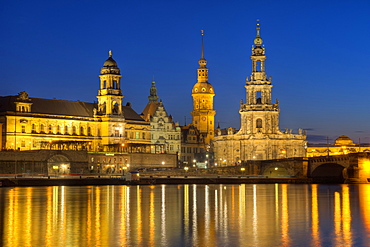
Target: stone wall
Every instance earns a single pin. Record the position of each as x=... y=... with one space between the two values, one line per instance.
x=75 y=162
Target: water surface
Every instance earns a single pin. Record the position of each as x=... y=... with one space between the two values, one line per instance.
x=186 y=215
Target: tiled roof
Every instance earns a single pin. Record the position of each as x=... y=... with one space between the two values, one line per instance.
x=62 y=107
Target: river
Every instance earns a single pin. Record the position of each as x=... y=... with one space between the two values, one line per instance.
x=186 y=215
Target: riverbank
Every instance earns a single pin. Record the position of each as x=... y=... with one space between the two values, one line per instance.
x=25 y=182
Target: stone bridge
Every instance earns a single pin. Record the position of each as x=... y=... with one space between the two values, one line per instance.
x=351 y=168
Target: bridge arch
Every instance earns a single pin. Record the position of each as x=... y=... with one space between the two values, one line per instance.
x=329 y=173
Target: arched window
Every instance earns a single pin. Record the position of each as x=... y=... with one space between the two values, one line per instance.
x=66 y=130
x=42 y=128
x=89 y=131
x=82 y=131
x=74 y=130
x=259 y=123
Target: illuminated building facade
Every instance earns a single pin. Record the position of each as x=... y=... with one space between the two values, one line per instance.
x=259 y=137
x=342 y=145
x=165 y=133
x=34 y=123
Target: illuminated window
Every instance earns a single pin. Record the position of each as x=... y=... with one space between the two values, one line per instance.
x=116 y=132
x=137 y=135
x=58 y=129
x=23 y=144
x=50 y=129
x=42 y=128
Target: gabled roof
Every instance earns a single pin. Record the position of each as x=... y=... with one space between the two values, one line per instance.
x=149 y=110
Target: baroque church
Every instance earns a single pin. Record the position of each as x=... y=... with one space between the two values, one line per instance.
x=259 y=136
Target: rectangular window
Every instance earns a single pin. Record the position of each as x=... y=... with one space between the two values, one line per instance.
x=137 y=135
x=23 y=129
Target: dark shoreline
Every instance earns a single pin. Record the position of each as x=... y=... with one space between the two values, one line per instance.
x=26 y=182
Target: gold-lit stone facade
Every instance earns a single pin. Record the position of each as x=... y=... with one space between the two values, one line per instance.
x=34 y=123
x=203 y=115
x=259 y=137
x=342 y=145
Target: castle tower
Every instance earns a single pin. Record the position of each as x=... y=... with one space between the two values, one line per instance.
x=110 y=94
x=259 y=114
x=203 y=114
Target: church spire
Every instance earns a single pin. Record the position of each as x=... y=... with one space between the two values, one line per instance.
x=202 y=70
x=153 y=92
x=202 y=56
x=258 y=40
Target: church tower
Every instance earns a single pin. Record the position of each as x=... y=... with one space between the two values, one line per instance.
x=110 y=94
x=259 y=114
x=259 y=136
x=203 y=114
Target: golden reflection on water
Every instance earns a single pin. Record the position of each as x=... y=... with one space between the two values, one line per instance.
x=315 y=217
x=186 y=215
x=364 y=192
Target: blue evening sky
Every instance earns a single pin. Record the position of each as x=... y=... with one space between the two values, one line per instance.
x=318 y=54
